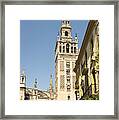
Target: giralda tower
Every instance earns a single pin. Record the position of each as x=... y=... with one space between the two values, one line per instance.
x=66 y=53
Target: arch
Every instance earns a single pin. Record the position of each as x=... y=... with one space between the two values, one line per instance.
x=66 y=33
x=68 y=97
x=74 y=49
x=67 y=48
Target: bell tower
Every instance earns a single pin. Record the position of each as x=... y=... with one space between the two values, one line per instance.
x=22 y=85
x=65 y=31
x=66 y=53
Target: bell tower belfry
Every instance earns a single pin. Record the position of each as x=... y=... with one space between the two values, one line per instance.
x=65 y=31
x=66 y=53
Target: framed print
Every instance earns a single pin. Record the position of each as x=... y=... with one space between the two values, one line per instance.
x=59 y=60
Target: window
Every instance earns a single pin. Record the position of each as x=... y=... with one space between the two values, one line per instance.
x=71 y=49
x=22 y=79
x=68 y=64
x=68 y=88
x=35 y=92
x=61 y=65
x=62 y=82
x=67 y=48
x=68 y=97
x=63 y=49
x=60 y=49
x=68 y=80
x=74 y=49
x=66 y=33
x=21 y=97
x=68 y=71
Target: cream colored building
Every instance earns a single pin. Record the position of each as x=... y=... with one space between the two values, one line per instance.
x=66 y=53
x=87 y=64
x=34 y=93
x=22 y=86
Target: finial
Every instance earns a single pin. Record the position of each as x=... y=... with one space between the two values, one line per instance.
x=62 y=21
x=23 y=72
x=35 y=84
x=58 y=33
x=36 y=80
x=76 y=37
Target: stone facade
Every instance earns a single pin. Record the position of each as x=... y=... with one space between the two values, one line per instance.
x=34 y=93
x=22 y=86
x=87 y=64
x=66 y=53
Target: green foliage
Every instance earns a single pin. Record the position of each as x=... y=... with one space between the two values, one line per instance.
x=92 y=97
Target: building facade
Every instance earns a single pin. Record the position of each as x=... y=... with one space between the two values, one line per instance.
x=34 y=93
x=22 y=86
x=87 y=64
x=66 y=53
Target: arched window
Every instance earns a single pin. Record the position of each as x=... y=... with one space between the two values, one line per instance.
x=68 y=80
x=67 y=48
x=60 y=49
x=74 y=49
x=71 y=49
x=68 y=97
x=22 y=79
x=66 y=33
x=63 y=49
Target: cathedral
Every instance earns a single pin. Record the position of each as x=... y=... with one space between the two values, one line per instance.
x=66 y=53
x=76 y=72
x=27 y=93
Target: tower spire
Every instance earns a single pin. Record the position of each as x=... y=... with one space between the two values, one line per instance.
x=65 y=56
x=51 y=87
x=35 y=83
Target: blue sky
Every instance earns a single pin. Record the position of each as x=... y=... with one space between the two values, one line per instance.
x=37 y=44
